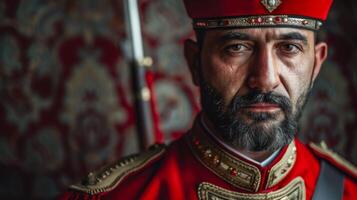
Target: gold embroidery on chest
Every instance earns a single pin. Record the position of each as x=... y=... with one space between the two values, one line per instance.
x=295 y=190
x=283 y=167
x=240 y=174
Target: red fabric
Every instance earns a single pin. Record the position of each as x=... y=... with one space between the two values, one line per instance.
x=159 y=138
x=196 y=9
x=177 y=174
x=350 y=189
x=335 y=163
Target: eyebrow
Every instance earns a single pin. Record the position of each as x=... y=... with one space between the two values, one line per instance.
x=243 y=36
x=234 y=36
x=293 y=36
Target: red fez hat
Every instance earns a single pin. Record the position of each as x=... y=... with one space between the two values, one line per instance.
x=307 y=14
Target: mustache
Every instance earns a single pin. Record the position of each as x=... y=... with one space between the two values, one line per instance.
x=256 y=96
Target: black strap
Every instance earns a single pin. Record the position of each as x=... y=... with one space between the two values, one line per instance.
x=330 y=183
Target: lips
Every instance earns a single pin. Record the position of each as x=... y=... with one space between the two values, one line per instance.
x=263 y=107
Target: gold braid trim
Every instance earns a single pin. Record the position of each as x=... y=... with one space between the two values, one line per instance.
x=258 y=21
x=325 y=151
x=281 y=169
x=295 y=190
x=109 y=177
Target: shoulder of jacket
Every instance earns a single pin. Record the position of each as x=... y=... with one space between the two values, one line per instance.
x=107 y=178
x=323 y=152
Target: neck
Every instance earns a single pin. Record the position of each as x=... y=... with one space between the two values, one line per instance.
x=258 y=156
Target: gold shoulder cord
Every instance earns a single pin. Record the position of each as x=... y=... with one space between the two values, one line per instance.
x=324 y=150
x=109 y=177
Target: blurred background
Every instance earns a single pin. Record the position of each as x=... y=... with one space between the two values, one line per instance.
x=66 y=105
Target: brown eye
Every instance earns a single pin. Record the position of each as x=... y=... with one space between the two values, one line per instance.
x=236 y=48
x=290 y=48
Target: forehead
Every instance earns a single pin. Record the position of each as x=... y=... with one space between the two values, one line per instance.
x=261 y=34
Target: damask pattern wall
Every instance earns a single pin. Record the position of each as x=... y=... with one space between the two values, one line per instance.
x=65 y=99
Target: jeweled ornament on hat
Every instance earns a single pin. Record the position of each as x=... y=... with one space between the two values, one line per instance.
x=271 y=5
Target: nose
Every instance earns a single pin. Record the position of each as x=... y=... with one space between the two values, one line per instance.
x=264 y=72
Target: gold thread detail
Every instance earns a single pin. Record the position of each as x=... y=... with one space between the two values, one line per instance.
x=295 y=190
x=236 y=172
x=281 y=169
x=109 y=177
x=258 y=21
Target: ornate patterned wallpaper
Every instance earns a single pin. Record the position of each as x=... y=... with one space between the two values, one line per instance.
x=65 y=99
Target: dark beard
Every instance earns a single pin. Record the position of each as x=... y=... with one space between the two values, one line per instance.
x=253 y=136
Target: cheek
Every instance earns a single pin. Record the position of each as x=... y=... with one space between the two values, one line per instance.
x=226 y=76
x=303 y=72
x=297 y=76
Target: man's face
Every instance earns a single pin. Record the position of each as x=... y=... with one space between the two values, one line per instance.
x=254 y=82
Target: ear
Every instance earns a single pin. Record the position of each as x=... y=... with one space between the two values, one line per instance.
x=191 y=52
x=320 y=56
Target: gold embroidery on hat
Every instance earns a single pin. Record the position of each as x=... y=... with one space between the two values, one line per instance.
x=271 y=5
x=295 y=190
x=258 y=21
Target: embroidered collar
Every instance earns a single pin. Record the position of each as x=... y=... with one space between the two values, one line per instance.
x=264 y=163
x=236 y=170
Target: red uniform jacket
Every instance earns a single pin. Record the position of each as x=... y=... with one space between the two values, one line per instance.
x=197 y=167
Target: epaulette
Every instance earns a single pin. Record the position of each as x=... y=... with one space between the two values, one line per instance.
x=107 y=178
x=322 y=151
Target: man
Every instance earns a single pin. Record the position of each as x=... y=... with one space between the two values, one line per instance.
x=255 y=62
